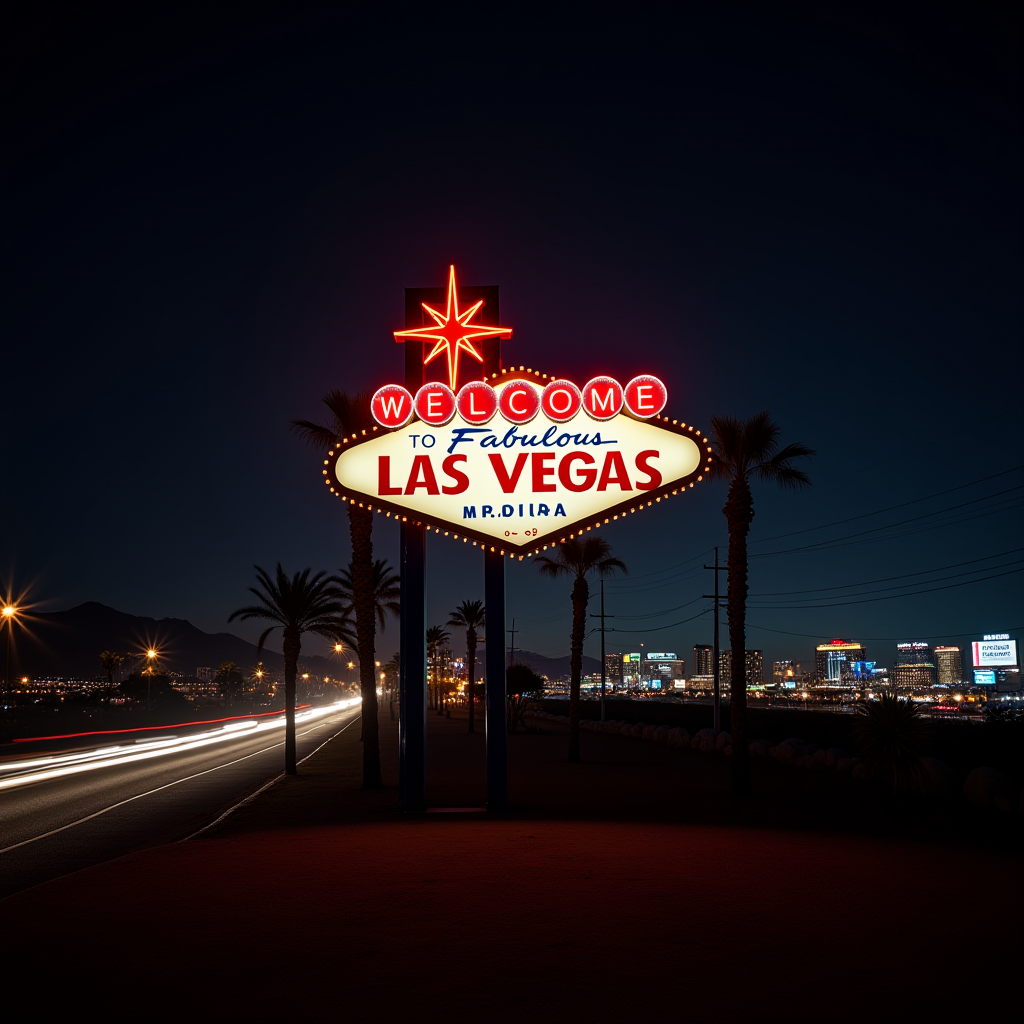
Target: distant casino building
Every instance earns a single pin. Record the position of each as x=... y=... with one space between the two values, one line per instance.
x=663 y=671
x=785 y=675
x=949 y=666
x=613 y=669
x=755 y=668
x=703 y=660
x=914 y=668
x=831 y=660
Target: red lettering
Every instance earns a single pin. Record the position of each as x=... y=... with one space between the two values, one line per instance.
x=384 y=476
x=506 y=480
x=460 y=478
x=614 y=472
x=653 y=475
x=586 y=476
x=541 y=471
x=421 y=475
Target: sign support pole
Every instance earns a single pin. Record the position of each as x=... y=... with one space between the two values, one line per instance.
x=495 y=691
x=412 y=704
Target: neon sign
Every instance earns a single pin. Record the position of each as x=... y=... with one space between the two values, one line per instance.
x=499 y=471
x=453 y=331
x=518 y=461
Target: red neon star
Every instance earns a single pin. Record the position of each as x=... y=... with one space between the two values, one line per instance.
x=453 y=332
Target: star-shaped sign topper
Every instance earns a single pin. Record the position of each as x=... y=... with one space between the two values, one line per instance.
x=454 y=332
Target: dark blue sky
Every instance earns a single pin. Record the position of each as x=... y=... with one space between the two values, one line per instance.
x=212 y=211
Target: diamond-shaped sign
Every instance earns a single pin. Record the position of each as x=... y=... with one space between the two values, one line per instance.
x=519 y=487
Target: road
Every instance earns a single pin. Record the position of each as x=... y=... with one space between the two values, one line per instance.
x=71 y=811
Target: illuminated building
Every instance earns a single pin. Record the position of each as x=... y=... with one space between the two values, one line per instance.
x=949 y=665
x=831 y=659
x=785 y=675
x=703 y=660
x=613 y=669
x=914 y=668
x=662 y=671
x=755 y=668
x=631 y=669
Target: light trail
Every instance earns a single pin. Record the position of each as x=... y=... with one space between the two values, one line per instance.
x=178 y=782
x=40 y=769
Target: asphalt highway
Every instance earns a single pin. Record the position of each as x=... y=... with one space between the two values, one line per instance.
x=56 y=818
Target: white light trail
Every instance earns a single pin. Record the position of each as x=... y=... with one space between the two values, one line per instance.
x=39 y=769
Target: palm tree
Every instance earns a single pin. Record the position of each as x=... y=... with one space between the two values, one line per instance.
x=437 y=637
x=892 y=733
x=385 y=591
x=745 y=449
x=577 y=558
x=296 y=605
x=111 y=661
x=470 y=616
x=349 y=414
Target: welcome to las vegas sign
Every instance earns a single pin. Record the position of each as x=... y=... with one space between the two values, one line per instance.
x=520 y=461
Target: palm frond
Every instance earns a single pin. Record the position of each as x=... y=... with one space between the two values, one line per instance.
x=469 y=615
x=262 y=640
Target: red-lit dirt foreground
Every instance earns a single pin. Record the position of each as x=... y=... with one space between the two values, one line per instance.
x=459 y=917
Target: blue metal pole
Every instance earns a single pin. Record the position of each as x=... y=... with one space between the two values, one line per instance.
x=496 y=702
x=412 y=708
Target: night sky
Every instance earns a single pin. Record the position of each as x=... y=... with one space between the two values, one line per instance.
x=212 y=212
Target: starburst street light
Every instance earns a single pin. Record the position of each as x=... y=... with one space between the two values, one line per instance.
x=10 y=613
x=151 y=656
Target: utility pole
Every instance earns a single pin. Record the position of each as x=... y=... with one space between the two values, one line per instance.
x=512 y=643
x=604 y=667
x=717 y=655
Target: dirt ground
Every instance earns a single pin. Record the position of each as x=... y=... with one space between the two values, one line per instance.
x=627 y=887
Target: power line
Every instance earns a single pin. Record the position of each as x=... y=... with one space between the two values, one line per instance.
x=890 y=508
x=850 y=539
x=664 y=611
x=886 y=579
x=879 y=639
x=891 y=597
x=655 y=629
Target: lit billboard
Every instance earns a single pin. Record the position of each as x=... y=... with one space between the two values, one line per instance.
x=985 y=677
x=994 y=653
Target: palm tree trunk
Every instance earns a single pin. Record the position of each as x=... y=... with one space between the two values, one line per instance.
x=580 y=597
x=739 y=513
x=291 y=660
x=471 y=669
x=360 y=526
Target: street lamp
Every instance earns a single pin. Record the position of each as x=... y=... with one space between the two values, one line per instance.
x=151 y=656
x=10 y=613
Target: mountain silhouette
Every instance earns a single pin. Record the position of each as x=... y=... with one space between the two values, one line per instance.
x=555 y=668
x=68 y=644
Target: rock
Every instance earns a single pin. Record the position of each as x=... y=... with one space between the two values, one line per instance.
x=860 y=771
x=723 y=740
x=625 y=729
x=789 y=750
x=988 y=787
x=759 y=748
x=938 y=776
x=804 y=761
x=818 y=761
x=847 y=764
x=833 y=756
x=660 y=734
x=704 y=739
x=649 y=731
x=682 y=737
x=638 y=730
